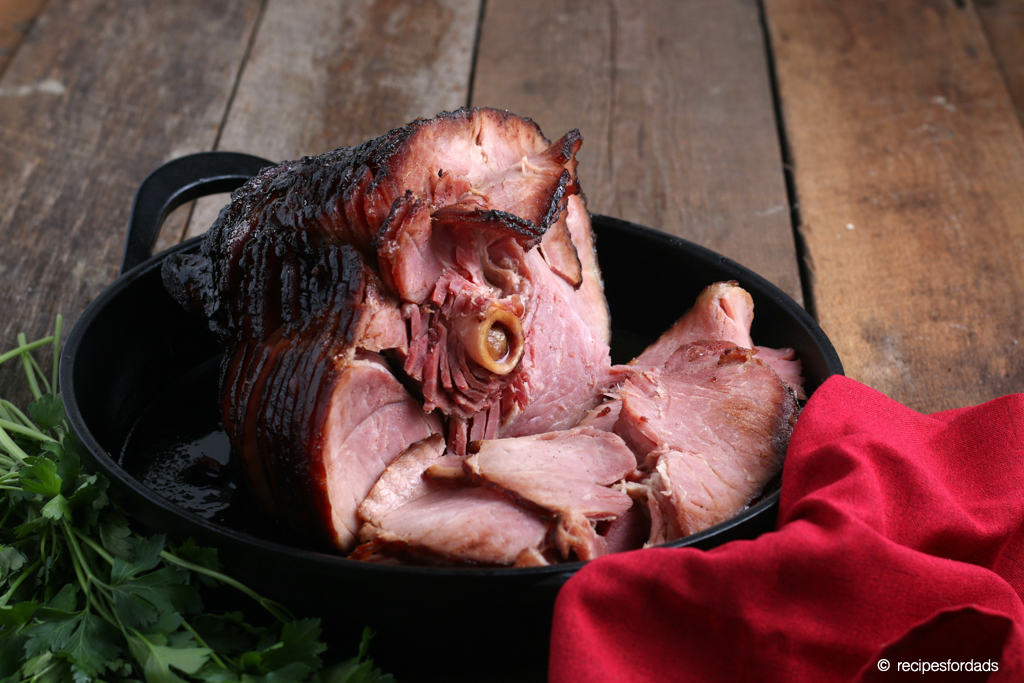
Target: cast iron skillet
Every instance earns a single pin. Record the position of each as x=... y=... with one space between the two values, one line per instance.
x=133 y=345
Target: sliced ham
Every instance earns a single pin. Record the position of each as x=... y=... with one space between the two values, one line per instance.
x=565 y=475
x=409 y=515
x=559 y=472
x=468 y=526
x=603 y=416
x=711 y=427
x=371 y=419
x=384 y=306
x=457 y=248
x=723 y=311
x=403 y=481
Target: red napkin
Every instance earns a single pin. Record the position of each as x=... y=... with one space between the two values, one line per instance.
x=900 y=538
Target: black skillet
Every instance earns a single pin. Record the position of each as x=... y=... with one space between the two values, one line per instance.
x=137 y=370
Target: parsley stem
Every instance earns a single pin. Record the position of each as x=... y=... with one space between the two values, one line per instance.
x=29 y=371
x=85 y=577
x=199 y=639
x=26 y=431
x=47 y=389
x=96 y=547
x=72 y=534
x=56 y=350
x=280 y=612
x=11 y=447
x=17 y=582
x=14 y=353
x=14 y=412
x=81 y=565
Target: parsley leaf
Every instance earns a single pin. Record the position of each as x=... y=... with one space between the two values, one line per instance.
x=47 y=411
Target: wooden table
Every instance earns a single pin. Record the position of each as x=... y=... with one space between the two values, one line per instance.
x=867 y=157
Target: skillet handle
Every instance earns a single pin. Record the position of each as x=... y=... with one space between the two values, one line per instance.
x=176 y=182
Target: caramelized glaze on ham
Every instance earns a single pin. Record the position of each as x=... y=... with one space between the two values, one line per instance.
x=399 y=264
x=387 y=307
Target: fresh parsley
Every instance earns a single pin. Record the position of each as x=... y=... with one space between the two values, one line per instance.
x=83 y=597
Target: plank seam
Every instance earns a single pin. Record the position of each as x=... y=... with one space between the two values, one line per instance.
x=476 y=52
x=613 y=86
x=231 y=101
x=241 y=72
x=792 y=194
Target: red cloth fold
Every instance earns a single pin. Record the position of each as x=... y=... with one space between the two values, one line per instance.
x=900 y=537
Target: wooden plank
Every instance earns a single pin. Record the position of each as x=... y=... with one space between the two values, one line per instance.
x=908 y=162
x=16 y=16
x=324 y=74
x=1004 y=25
x=674 y=102
x=99 y=94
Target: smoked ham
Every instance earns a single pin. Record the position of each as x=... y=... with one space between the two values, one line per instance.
x=454 y=253
x=417 y=362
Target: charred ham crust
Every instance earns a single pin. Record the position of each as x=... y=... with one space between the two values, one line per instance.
x=273 y=426
x=337 y=196
x=503 y=222
x=283 y=274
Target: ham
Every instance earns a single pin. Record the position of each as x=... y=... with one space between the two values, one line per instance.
x=724 y=311
x=453 y=254
x=711 y=428
x=558 y=472
x=417 y=363
x=407 y=515
x=565 y=475
x=470 y=526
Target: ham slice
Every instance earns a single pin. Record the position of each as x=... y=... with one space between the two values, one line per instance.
x=408 y=515
x=465 y=526
x=567 y=475
x=558 y=472
x=711 y=427
x=372 y=419
x=403 y=481
x=723 y=311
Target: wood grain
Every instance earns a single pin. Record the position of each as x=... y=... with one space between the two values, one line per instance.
x=16 y=16
x=324 y=74
x=1003 y=21
x=674 y=102
x=908 y=163
x=99 y=94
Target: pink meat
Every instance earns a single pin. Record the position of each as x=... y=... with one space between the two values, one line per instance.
x=566 y=475
x=558 y=472
x=458 y=526
x=409 y=515
x=723 y=311
x=630 y=530
x=788 y=367
x=604 y=415
x=711 y=427
x=410 y=246
x=566 y=367
x=371 y=420
x=403 y=480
